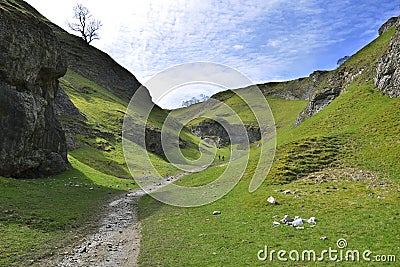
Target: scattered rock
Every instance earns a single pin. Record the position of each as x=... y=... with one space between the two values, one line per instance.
x=272 y=200
x=312 y=220
x=323 y=238
x=82 y=249
x=286 y=219
x=287 y=191
x=297 y=221
x=216 y=212
x=276 y=224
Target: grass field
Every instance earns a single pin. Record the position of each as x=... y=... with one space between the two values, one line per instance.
x=362 y=212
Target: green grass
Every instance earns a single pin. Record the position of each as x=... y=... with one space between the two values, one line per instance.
x=194 y=237
x=38 y=216
x=100 y=139
x=359 y=130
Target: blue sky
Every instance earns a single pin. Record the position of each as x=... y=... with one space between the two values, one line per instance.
x=265 y=40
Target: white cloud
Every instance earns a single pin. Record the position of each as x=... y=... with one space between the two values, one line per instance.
x=265 y=40
x=238 y=47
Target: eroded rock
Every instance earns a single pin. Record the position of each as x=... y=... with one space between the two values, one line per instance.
x=32 y=142
x=388 y=71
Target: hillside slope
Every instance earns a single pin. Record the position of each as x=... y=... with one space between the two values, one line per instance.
x=39 y=216
x=340 y=165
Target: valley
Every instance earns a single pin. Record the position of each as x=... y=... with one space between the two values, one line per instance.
x=336 y=159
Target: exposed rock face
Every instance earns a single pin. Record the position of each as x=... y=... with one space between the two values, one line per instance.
x=211 y=128
x=64 y=105
x=64 y=108
x=388 y=24
x=32 y=141
x=294 y=90
x=388 y=72
x=336 y=83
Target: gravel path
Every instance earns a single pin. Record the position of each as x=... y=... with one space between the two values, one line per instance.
x=117 y=240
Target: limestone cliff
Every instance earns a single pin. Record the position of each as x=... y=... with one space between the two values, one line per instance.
x=388 y=72
x=214 y=130
x=32 y=141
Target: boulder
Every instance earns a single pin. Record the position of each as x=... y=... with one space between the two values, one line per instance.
x=32 y=142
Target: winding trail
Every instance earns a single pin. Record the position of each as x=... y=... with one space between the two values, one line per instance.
x=117 y=240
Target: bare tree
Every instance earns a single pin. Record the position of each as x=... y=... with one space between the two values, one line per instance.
x=87 y=26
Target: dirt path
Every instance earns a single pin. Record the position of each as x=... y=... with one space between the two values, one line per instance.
x=117 y=240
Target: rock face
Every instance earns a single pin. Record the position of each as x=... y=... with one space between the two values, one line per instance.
x=387 y=25
x=32 y=142
x=333 y=85
x=299 y=89
x=211 y=129
x=64 y=107
x=387 y=77
x=388 y=71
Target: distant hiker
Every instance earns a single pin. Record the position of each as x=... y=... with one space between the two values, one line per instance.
x=219 y=157
x=223 y=158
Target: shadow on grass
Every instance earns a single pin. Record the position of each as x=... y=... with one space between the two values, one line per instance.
x=62 y=202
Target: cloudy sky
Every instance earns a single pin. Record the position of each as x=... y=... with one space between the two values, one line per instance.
x=266 y=40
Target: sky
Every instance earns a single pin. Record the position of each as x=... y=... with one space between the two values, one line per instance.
x=266 y=40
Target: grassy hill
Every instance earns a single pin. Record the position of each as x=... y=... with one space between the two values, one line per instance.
x=341 y=166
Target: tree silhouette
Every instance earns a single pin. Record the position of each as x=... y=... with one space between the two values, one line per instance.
x=87 y=26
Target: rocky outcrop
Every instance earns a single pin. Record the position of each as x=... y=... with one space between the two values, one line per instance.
x=388 y=24
x=211 y=129
x=299 y=89
x=70 y=118
x=335 y=82
x=332 y=85
x=32 y=142
x=388 y=71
